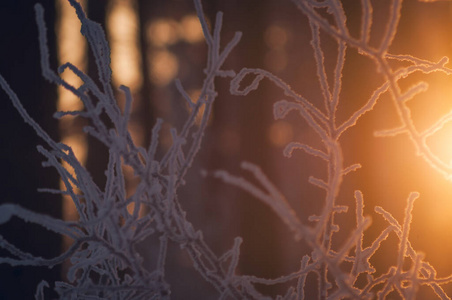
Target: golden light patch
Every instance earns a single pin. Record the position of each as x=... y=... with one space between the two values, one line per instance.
x=191 y=30
x=280 y=133
x=123 y=32
x=163 y=67
x=162 y=32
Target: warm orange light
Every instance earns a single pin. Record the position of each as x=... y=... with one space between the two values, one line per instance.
x=194 y=96
x=163 y=67
x=280 y=133
x=79 y=146
x=191 y=30
x=122 y=25
x=72 y=48
x=162 y=32
x=275 y=37
x=438 y=118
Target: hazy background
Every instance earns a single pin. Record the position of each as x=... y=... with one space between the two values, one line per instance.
x=275 y=37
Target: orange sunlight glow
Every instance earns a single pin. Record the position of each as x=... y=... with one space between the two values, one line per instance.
x=79 y=145
x=124 y=36
x=163 y=66
x=440 y=141
x=72 y=48
x=123 y=33
x=194 y=95
x=395 y=168
x=280 y=133
x=191 y=30
x=162 y=33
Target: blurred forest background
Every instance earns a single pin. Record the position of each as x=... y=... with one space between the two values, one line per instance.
x=162 y=41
